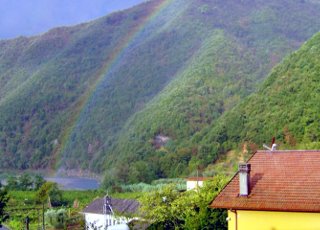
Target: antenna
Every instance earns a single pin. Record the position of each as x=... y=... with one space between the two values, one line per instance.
x=273 y=145
x=266 y=147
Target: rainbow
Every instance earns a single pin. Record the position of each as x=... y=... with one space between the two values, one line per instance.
x=113 y=59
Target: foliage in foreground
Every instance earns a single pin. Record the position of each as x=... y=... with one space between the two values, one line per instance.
x=170 y=209
x=56 y=218
x=4 y=198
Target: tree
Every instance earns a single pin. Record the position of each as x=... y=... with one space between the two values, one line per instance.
x=25 y=182
x=46 y=191
x=197 y=214
x=4 y=198
x=57 y=218
x=55 y=195
x=38 y=181
x=157 y=206
x=12 y=183
x=170 y=209
x=50 y=189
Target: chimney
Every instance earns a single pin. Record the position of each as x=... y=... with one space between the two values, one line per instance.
x=244 y=179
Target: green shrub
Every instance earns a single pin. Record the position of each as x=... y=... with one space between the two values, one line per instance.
x=56 y=218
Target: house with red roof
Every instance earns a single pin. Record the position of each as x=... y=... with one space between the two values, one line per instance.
x=274 y=190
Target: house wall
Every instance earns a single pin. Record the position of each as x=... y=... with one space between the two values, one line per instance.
x=193 y=184
x=101 y=221
x=253 y=220
x=95 y=219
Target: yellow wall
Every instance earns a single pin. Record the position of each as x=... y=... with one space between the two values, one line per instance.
x=260 y=220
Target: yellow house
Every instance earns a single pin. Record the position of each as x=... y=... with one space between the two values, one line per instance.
x=274 y=190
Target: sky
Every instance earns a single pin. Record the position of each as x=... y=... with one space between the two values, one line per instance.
x=33 y=17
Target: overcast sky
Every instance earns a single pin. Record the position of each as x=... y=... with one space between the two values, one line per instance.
x=32 y=17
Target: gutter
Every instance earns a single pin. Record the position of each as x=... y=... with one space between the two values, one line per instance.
x=236 y=218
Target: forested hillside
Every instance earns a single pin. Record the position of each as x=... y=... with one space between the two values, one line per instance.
x=147 y=85
x=285 y=107
x=227 y=68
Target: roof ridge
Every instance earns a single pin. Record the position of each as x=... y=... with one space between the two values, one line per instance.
x=286 y=150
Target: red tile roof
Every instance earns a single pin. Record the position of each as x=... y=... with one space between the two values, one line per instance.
x=279 y=181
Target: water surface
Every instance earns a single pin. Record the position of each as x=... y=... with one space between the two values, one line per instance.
x=75 y=183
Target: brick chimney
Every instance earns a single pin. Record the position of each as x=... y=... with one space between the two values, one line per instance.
x=244 y=179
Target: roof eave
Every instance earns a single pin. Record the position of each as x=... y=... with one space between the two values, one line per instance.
x=265 y=209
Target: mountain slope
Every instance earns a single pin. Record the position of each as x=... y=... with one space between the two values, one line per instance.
x=190 y=103
x=224 y=71
x=101 y=73
x=285 y=107
x=102 y=94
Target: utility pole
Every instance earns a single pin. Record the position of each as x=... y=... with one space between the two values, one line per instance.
x=39 y=219
x=43 y=224
x=198 y=178
x=27 y=222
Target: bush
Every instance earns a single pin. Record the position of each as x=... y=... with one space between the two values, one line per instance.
x=56 y=218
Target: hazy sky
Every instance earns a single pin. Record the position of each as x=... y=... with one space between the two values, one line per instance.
x=31 y=17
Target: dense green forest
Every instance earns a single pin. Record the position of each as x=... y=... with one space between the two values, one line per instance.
x=146 y=93
x=286 y=107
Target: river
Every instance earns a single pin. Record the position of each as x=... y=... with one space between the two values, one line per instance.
x=75 y=183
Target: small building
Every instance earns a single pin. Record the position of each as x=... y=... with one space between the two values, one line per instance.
x=195 y=182
x=274 y=190
x=109 y=213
